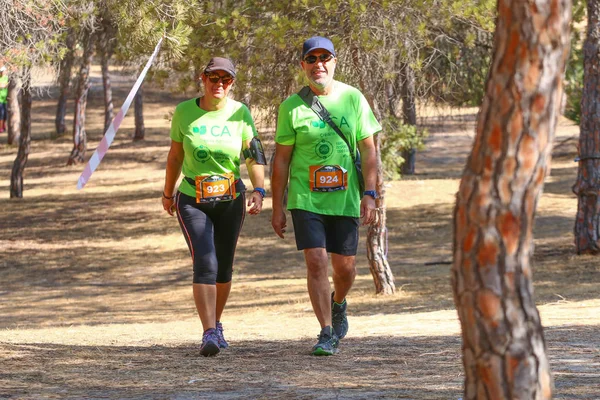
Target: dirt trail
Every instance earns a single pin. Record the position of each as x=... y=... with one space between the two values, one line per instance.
x=96 y=299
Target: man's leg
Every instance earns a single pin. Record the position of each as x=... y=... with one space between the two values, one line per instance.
x=317 y=280
x=344 y=272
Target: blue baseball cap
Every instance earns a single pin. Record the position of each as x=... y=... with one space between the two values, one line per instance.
x=317 y=42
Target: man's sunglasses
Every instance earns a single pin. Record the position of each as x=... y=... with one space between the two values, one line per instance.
x=215 y=78
x=325 y=57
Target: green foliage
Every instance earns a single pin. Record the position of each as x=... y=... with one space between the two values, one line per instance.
x=395 y=138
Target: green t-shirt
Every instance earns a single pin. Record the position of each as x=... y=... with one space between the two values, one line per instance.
x=317 y=144
x=212 y=140
x=3 y=91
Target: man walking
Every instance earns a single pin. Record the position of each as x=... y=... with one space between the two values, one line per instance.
x=324 y=197
x=3 y=96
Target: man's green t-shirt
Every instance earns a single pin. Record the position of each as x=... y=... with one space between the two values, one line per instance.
x=212 y=140
x=3 y=91
x=317 y=144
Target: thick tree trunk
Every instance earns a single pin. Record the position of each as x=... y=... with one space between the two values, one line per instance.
x=377 y=238
x=64 y=81
x=16 y=177
x=587 y=186
x=504 y=352
x=409 y=114
x=83 y=85
x=138 y=111
x=13 y=109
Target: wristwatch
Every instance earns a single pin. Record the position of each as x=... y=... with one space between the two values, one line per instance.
x=371 y=193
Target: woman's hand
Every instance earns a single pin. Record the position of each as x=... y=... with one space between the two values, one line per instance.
x=256 y=201
x=169 y=204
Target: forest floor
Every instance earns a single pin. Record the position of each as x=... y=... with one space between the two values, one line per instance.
x=95 y=285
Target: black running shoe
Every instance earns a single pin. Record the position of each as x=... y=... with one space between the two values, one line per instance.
x=327 y=344
x=210 y=343
x=338 y=318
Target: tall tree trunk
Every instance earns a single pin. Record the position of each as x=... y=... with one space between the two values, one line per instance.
x=83 y=85
x=587 y=186
x=13 y=108
x=377 y=232
x=106 y=40
x=409 y=114
x=138 y=111
x=504 y=352
x=64 y=81
x=16 y=177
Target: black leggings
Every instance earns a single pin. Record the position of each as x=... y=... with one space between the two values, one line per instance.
x=211 y=231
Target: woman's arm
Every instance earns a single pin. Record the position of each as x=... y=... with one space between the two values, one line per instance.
x=173 y=170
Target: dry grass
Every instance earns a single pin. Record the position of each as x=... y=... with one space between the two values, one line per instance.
x=96 y=299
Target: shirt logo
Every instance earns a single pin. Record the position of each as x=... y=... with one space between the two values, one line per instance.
x=323 y=149
x=201 y=153
x=318 y=124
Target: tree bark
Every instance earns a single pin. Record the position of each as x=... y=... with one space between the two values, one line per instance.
x=587 y=186
x=13 y=109
x=106 y=46
x=409 y=114
x=138 y=111
x=83 y=85
x=16 y=177
x=377 y=238
x=504 y=351
x=64 y=81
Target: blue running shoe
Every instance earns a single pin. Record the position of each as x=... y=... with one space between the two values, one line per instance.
x=338 y=318
x=327 y=344
x=210 y=343
x=222 y=342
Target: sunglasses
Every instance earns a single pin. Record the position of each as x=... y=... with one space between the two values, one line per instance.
x=215 y=78
x=325 y=57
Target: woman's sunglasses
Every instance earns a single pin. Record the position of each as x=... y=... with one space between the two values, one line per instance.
x=215 y=78
x=325 y=57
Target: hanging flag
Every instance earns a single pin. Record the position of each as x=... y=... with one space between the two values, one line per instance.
x=110 y=133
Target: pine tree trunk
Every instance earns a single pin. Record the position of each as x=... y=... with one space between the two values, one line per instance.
x=138 y=111
x=13 y=110
x=83 y=85
x=409 y=113
x=64 y=81
x=377 y=238
x=504 y=351
x=105 y=50
x=587 y=186
x=16 y=177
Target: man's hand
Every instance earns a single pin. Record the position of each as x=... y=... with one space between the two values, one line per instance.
x=278 y=222
x=367 y=210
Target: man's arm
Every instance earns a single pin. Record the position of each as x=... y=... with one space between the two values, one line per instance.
x=368 y=155
x=279 y=180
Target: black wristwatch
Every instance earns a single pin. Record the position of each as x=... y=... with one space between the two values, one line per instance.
x=371 y=193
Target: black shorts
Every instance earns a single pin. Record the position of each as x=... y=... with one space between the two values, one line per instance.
x=337 y=234
x=3 y=113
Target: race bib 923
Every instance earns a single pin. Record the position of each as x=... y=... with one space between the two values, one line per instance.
x=211 y=188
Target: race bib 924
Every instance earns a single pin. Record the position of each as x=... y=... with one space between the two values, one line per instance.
x=327 y=178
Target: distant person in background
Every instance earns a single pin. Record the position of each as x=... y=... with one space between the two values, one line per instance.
x=3 y=96
x=324 y=197
x=208 y=134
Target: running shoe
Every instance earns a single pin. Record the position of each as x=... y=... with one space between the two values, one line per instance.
x=222 y=342
x=338 y=318
x=210 y=343
x=327 y=344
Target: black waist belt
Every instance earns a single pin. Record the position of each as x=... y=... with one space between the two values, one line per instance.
x=239 y=184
